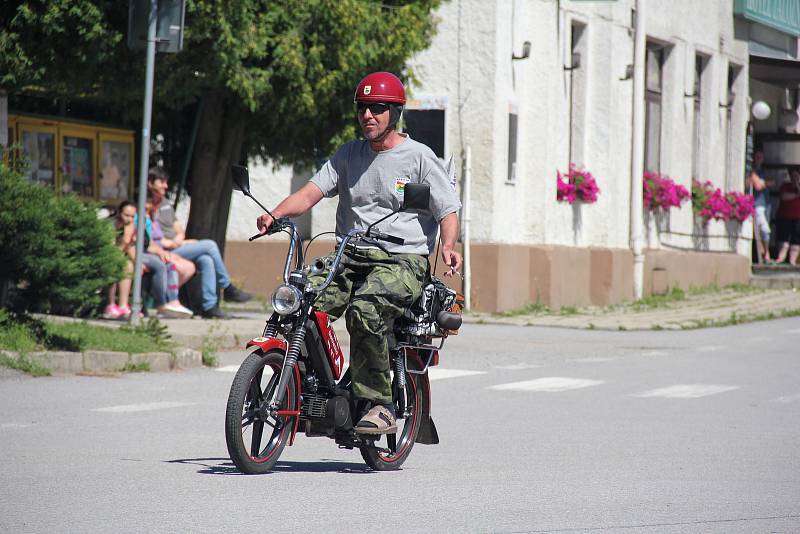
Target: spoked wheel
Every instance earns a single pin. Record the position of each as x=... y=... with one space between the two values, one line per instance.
x=255 y=438
x=408 y=424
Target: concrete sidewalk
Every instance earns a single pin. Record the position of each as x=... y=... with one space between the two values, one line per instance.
x=717 y=308
x=195 y=336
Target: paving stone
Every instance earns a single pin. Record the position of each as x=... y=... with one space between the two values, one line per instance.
x=59 y=362
x=101 y=360
x=186 y=358
x=158 y=361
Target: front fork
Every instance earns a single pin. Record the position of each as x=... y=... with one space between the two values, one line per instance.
x=289 y=363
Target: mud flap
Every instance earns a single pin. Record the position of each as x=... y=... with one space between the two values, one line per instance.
x=427 y=432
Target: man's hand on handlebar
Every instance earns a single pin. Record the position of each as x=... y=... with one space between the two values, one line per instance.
x=452 y=259
x=264 y=222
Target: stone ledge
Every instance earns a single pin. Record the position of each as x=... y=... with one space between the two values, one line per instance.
x=95 y=361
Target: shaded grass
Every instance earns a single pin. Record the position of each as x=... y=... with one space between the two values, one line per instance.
x=25 y=334
x=23 y=363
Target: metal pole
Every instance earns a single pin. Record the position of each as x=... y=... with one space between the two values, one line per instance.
x=144 y=162
x=465 y=219
x=637 y=163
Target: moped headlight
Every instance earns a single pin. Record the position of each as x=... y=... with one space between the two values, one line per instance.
x=286 y=299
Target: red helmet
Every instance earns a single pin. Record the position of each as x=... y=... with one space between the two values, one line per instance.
x=380 y=87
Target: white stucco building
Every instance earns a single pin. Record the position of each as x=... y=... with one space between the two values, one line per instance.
x=524 y=116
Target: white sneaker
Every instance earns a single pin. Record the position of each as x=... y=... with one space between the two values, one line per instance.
x=176 y=311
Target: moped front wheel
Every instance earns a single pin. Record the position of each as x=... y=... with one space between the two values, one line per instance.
x=256 y=438
x=399 y=444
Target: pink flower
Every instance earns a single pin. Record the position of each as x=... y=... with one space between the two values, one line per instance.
x=565 y=191
x=742 y=205
x=661 y=192
x=577 y=184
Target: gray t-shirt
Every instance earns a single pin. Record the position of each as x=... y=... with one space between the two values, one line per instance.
x=370 y=186
x=165 y=215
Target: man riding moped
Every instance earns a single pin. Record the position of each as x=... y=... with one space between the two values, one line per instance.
x=376 y=283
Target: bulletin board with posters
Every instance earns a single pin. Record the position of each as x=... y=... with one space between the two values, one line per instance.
x=92 y=161
x=38 y=141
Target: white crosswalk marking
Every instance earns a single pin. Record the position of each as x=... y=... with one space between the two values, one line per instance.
x=709 y=348
x=788 y=398
x=142 y=407
x=653 y=353
x=434 y=373
x=437 y=373
x=550 y=384
x=517 y=366
x=687 y=391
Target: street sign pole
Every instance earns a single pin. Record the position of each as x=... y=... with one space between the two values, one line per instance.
x=144 y=162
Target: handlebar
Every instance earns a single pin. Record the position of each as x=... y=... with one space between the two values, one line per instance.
x=283 y=223
x=277 y=225
x=386 y=237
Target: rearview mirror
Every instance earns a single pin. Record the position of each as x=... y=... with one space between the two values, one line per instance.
x=416 y=196
x=241 y=178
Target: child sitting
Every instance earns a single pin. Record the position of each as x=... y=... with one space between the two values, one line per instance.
x=126 y=234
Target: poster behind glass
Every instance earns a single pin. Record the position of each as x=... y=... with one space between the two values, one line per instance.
x=77 y=166
x=40 y=150
x=115 y=164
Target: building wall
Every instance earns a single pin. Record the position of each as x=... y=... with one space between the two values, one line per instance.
x=527 y=247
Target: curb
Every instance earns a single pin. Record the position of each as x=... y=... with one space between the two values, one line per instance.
x=100 y=361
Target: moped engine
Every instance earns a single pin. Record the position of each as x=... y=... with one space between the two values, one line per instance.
x=323 y=416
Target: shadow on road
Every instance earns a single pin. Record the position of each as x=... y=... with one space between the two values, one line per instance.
x=223 y=466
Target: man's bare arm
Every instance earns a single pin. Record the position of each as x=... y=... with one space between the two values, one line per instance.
x=292 y=206
x=449 y=228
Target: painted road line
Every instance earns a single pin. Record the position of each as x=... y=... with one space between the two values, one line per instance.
x=142 y=407
x=793 y=331
x=517 y=366
x=788 y=398
x=550 y=384
x=653 y=353
x=710 y=348
x=437 y=373
x=228 y=368
x=687 y=391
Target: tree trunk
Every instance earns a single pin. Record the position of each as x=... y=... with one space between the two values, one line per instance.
x=219 y=145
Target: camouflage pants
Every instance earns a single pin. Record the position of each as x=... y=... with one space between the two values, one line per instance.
x=372 y=290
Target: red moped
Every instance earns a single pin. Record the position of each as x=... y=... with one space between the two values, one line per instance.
x=294 y=378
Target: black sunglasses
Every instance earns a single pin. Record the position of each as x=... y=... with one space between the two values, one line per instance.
x=376 y=108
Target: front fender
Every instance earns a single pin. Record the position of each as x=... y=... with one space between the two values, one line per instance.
x=267 y=343
x=271 y=343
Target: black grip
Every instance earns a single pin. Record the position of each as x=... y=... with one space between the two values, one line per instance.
x=253 y=238
x=276 y=226
x=386 y=237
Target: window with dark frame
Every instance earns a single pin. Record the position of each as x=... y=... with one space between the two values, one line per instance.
x=732 y=181
x=700 y=62
x=512 y=147
x=426 y=126
x=654 y=66
x=577 y=81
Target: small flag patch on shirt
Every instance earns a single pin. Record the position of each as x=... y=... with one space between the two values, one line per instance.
x=400 y=185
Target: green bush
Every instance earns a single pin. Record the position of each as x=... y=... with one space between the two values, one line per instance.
x=54 y=252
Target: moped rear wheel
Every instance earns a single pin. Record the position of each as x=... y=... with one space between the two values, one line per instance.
x=256 y=439
x=408 y=424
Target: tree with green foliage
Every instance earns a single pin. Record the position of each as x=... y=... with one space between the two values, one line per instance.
x=270 y=79
x=54 y=250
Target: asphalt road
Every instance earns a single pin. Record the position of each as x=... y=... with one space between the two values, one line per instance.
x=542 y=430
